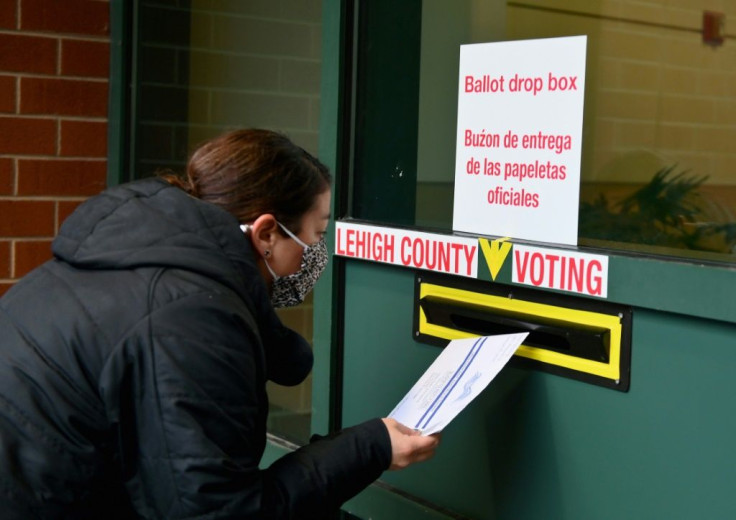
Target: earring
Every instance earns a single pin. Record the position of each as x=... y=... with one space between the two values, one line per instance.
x=267 y=253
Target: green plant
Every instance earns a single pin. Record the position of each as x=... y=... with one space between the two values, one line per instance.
x=667 y=211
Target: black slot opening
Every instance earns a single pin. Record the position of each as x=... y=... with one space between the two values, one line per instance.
x=536 y=338
x=573 y=339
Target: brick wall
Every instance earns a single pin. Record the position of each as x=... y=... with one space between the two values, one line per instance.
x=54 y=59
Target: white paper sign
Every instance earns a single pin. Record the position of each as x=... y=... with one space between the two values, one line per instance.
x=461 y=372
x=519 y=133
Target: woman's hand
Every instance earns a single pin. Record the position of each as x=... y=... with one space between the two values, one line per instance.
x=409 y=446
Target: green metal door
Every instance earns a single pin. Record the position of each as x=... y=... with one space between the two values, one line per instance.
x=535 y=444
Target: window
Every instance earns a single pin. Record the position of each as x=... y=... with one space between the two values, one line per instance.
x=203 y=68
x=660 y=117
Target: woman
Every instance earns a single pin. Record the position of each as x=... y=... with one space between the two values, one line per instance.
x=133 y=365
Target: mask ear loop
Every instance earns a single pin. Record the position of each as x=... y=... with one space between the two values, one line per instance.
x=292 y=235
x=245 y=228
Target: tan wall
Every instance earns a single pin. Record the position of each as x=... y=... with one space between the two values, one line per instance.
x=256 y=64
x=656 y=95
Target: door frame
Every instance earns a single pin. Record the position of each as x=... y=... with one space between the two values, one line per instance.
x=664 y=284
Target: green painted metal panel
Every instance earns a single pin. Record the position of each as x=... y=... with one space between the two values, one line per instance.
x=326 y=304
x=378 y=502
x=536 y=445
x=273 y=452
x=118 y=94
x=672 y=285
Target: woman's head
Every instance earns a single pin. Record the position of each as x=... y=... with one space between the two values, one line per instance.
x=278 y=190
x=252 y=172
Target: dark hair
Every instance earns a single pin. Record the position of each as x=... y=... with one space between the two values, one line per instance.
x=253 y=171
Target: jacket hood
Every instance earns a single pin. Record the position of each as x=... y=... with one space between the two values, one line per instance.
x=150 y=223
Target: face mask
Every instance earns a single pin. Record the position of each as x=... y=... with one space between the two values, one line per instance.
x=288 y=291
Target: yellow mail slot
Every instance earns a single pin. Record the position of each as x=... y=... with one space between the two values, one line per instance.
x=588 y=340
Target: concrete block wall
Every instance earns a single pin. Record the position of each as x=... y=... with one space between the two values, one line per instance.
x=256 y=63
x=54 y=70
x=668 y=90
x=163 y=73
x=207 y=66
x=653 y=84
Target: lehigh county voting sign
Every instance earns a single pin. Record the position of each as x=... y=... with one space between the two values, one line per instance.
x=519 y=133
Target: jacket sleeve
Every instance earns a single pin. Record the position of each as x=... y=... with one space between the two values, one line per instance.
x=186 y=395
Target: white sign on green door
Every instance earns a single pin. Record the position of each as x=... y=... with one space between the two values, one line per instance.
x=519 y=133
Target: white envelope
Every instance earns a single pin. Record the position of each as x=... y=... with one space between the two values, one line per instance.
x=462 y=371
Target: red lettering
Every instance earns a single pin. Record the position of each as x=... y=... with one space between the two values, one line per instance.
x=552 y=261
x=376 y=246
x=575 y=275
x=596 y=288
x=521 y=265
x=469 y=254
x=538 y=263
x=443 y=262
x=583 y=274
x=456 y=248
x=405 y=243
x=349 y=241
x=468 y=83
x=417 y=257
x=360 y=244
x=431 y=258
x=563 y=271
x=388 y=248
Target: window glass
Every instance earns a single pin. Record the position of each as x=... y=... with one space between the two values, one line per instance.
x=205 y=67
x=660 y=117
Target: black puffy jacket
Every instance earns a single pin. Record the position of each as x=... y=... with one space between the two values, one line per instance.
x=133 y=369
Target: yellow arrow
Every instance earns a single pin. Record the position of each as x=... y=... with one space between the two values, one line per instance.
x=495 y=253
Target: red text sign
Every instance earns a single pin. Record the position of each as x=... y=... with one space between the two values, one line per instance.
x=562 y=270
x=446 y=254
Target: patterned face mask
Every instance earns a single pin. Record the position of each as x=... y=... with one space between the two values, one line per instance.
x=291 y=290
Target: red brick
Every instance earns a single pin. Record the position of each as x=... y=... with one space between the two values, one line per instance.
x=7 y=94
x=5 y=287
x=72 y=178
x=63 y=97
x=22 y=135
x=83 y=139
x=29 y=255
x=19 y=53
x=7 y=171
x=4 y=259
x=26 y=218
x=66 y=208
x=85 y=58
x=7 y=14
x=66 y=16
